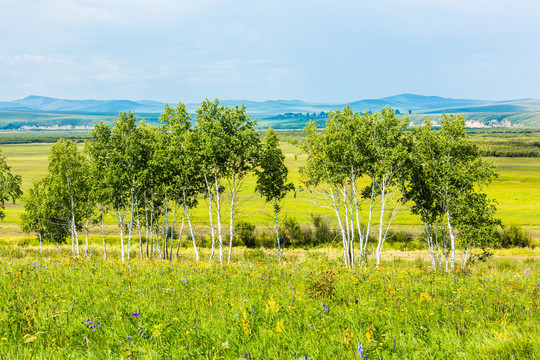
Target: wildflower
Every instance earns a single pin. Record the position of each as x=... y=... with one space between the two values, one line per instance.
x=361 y=351
x=324 y=307
x=136 y=314
x=140 y=332
x=279 y=326
x=128 y=337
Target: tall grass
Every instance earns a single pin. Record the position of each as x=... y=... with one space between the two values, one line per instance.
x=56 y=307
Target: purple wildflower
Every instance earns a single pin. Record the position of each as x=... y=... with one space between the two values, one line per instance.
x=324 y=307
x=136 y=314
x=128 y=337
x=361 y=351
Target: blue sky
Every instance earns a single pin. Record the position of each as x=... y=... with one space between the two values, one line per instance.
x=323 y=51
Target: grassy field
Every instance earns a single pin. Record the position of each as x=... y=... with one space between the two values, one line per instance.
x=308 y=307
x=516 y=193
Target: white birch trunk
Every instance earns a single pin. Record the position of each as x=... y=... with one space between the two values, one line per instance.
x=146 y=225
x=452 y=242
x=186 y=211
x=103 y=233
x=86 y=237
x=172 y=230
x=277 y=228
x=381 y=222
x=209 y=188
x=139 y=227
x=335 y=206
x=370 y=217
x=181 y=231
x=231 y=224
x=165 y=230
x=130 y=227
x=218 y=211
x=121 y=222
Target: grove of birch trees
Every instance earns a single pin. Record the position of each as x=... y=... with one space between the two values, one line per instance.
x=367 y=168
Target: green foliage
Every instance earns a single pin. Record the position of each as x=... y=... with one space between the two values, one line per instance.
x=322 y=232
x=515 y=236
x=10 y=185
x=246 y=234
x=291 y=232
x=272 y=175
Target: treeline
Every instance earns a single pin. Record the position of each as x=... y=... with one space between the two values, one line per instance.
x=149 y=178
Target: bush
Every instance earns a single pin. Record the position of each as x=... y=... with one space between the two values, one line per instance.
x=515 y=236
x=245 y=232
x=322 y=234
x=293 y=234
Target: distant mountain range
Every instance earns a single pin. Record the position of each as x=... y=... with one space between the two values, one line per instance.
x=29 y=111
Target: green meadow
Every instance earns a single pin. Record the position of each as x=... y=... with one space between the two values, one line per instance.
x=307 y=307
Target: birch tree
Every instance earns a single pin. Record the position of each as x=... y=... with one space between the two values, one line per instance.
x=183 y=159
x=272 y=177
x=449 y=175
x=210 y=131
x=44 y=215
x=228 y=148
x=118 y=152
x=390 y=148
x=242 y=149
x=337 y=157
x=68 y=183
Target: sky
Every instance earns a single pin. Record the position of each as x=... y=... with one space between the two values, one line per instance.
x=319 y=51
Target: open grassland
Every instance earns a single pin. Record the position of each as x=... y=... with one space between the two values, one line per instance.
x=308 y=307
x=517 y=193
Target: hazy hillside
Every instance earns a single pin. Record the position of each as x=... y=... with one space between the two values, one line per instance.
x=42 y=111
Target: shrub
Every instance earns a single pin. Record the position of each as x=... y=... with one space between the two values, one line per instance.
x=245 y=232
x=291 y=233
x=322 y=234
x=515 y=236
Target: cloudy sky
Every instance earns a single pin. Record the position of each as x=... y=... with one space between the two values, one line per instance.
x=324 y=51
